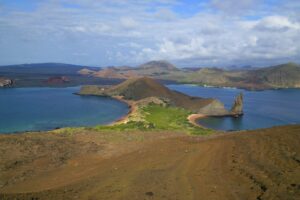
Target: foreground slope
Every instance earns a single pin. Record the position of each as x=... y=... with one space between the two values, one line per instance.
x=261 y=164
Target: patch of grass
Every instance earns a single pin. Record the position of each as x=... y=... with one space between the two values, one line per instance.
x=152 y=117
x=68 y=130
x=157 y=117
x=166 y=118
x=131 y=125
x=171 y=118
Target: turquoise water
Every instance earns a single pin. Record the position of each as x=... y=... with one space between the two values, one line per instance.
x=33 y=109
x=262 y=109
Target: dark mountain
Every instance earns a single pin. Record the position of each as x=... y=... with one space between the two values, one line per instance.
x=50 y=75
x=158 y=65
x=44 y=68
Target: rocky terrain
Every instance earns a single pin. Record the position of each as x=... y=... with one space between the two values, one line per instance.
x=5 y=82
x=86 y=164
x=140 y=88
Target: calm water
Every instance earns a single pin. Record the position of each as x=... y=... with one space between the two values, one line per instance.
x=262 y=108
x=27 y=109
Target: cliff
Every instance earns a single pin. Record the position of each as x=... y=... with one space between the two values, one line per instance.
x=141 y=88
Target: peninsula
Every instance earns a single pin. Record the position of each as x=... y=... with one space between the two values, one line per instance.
x=137 y=89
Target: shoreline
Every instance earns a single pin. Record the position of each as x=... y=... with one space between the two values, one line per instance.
x=132 y=109
x=193 y=119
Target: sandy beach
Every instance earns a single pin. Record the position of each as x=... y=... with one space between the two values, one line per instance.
x=194 y=117
x=132 y=109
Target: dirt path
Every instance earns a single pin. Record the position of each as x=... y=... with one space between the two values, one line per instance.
x=254 y=165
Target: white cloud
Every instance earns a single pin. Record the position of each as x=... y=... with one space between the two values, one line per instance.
x=128 y=22
x=276 y=23
x=131 y=31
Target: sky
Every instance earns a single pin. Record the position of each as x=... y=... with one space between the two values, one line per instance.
x=188 y=33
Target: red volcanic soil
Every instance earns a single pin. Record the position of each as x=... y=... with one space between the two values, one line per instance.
x=261 y=164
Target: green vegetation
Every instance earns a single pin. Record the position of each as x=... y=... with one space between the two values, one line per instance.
x=68 y=131
x=159 y=118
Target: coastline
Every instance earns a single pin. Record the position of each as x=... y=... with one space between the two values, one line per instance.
x=193 y=119
x=132 y=109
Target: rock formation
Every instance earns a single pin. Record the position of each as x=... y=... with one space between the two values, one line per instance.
x=5 y=82
x=237 y=108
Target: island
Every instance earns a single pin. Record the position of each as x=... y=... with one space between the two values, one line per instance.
x=286 y=75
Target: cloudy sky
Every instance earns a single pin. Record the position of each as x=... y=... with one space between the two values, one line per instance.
x=129 y=32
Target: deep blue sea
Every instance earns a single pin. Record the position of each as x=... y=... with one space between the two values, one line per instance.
x=262 y=108
x=32 y=109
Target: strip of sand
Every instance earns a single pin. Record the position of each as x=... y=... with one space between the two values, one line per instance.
x=194 y=117
x=132 y=109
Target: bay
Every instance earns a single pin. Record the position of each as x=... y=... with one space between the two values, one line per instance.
x=36 y=109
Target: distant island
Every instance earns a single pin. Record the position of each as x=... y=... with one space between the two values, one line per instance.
x=42 y=75
x=48 y=75
x=274 y=77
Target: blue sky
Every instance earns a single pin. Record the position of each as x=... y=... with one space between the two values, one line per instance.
x=129 y=32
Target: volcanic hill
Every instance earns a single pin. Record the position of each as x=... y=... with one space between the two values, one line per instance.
x=140 y=88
